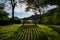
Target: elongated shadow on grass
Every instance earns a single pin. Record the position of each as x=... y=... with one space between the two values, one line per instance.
x=29 y=32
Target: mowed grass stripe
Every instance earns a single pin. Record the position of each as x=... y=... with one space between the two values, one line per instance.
x=37 y=33
x=46 y=35
x=34 y=34
x=25 y=37
x=30 y=32
x=19 y=32
x=43 y=34
x=21 y=37
x=40 y=34
x=23 y=34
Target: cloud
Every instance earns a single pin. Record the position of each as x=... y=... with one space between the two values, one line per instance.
x=20 y=9
x=22 y=14
x=51 y=7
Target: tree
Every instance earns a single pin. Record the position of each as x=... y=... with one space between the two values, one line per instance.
x=37 y=5
x=31 y=3
x=3 y=14
x=13 y=4
x=13 y=7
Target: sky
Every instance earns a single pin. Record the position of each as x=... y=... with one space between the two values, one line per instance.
x=20 y=9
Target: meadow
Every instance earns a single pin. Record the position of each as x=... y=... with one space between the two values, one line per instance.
x=30 y=32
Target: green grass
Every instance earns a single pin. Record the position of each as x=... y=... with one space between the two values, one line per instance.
x=51 y=33
x=8 y=30
x=57 y=29
x=30 y=32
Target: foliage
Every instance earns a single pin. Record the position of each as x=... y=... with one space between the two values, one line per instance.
x=51 y=17
x=53 y=2
x=3 y=14
x=4 y=19
x=16 y=20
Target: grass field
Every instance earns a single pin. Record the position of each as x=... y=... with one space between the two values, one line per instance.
x=8 y=30
x=29 y=32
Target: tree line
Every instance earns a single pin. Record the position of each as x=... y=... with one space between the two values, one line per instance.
x=51 y=17
x=4 y=17
x=36 y=5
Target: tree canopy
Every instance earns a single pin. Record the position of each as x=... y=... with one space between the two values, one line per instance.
x=3 y=14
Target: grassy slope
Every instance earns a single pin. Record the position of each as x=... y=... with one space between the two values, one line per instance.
x=7 y=31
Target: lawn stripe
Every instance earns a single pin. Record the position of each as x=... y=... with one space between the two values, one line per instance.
x=43 y=34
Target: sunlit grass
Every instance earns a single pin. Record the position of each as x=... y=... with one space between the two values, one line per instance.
x=50 y=32
x=29 y=32
x=8 y=30
x=9 y=27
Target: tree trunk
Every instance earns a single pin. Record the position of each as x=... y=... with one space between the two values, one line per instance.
x=13 y=6
x=12 y=14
